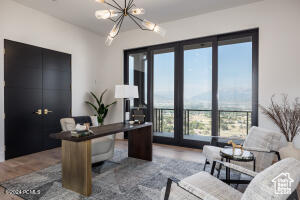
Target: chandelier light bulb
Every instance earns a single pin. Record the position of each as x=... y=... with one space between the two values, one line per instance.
x=128 y=10
x=105 y=14
x=153 y=27
x=159 y=30
x=114 y=31
x=137 y=11
x=100 y=1
x=108 y=41
x=148 y=25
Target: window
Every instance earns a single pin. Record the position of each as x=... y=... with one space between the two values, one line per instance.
x=235 y=86
x=197 y=88
x=163 y=92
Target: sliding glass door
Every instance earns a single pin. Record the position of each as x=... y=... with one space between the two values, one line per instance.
x=235 y=86
x=163 y=92
x=197 y=97
x=194 y=89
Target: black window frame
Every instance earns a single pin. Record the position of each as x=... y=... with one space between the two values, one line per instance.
x=179 y=82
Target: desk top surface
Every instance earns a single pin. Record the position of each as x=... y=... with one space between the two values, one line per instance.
x=100 y=131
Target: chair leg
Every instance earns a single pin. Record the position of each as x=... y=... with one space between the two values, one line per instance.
x=220 y=168
x=237 y=185
x=168 y=189
x=205 y=164
x=213 y=168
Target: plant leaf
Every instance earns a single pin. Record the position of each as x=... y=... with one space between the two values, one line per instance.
x=95 y=97
x=111 y=104
x=92 y=105
x=101 y=97
x=105 y=113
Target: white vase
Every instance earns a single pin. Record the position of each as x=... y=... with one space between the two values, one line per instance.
x=289 y=151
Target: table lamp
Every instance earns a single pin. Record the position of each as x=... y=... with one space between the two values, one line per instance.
x=126 y=92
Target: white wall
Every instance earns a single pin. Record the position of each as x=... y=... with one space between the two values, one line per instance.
x=26 y=25
x=279 y=31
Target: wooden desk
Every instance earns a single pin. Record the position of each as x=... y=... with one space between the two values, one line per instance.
x=76 y=152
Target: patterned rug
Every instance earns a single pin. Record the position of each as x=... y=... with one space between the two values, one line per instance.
x=120 y=178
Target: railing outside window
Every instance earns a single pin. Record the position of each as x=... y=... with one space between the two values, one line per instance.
x=198 y=122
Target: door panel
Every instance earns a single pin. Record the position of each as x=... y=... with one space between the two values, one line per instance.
x=56 y=93
x=23 y=128
x=35 y=78
x=24 y=65
x=163 y=92
x=197 y=91
x=57 y=70
x=56 y=101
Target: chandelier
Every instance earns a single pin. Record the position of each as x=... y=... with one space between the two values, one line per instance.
x=117 y=15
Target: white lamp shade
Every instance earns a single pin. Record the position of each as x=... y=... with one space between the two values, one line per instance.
x=126 y=92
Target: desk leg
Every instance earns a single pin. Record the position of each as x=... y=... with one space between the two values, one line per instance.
x=140 y=143
x=77 y=167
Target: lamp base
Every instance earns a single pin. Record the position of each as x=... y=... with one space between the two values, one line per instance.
x=127 y=118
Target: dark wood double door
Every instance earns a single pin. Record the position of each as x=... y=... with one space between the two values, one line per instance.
x=37 y=95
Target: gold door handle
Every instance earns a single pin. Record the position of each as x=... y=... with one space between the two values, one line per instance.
x=38 y=112
x=46 y=111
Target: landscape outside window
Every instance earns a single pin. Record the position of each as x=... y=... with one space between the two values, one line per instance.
x=235 y=86
x=163 y=90
x=234 y=90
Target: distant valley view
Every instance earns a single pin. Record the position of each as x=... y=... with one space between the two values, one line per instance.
x=234 y=113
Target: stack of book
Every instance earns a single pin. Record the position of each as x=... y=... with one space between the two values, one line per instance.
x=80 y=133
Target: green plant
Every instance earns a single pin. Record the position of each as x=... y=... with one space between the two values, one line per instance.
x=100 y=108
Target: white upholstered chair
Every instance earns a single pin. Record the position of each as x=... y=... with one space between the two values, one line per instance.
x=207 y=187
x=264 y=144
x=102 y=148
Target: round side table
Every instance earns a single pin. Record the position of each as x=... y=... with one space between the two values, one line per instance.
x=237 y=155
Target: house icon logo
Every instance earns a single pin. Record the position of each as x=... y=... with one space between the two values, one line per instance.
x=283 y=183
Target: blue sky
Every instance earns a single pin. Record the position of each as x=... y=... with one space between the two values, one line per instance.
x=235 y=70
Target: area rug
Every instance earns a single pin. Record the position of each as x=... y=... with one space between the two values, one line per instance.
x=121 y=178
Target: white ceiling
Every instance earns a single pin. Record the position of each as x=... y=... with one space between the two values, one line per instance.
x=81 y=12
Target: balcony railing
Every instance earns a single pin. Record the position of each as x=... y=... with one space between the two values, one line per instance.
x=198 y=122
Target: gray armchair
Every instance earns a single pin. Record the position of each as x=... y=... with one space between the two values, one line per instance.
x=102 y=148
x=264 y=144
x=207 y=187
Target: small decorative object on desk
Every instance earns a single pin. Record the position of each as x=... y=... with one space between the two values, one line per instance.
x=138 y=116
x=82 y=130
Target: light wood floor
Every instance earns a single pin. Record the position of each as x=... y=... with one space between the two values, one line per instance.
x=20 y=166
